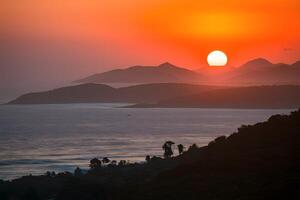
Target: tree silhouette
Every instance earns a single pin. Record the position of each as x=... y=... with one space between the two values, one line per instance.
x=53 y=174
x=180 y=148
x=95 y=163
x=77 y=171
x=167 y=147
x=113 y=162
x=48 y=174
x=122 y=163
x=193 y=147
x=105 y=160
x=148 y=158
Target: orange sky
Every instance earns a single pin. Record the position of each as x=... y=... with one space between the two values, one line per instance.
x=79 y=37
x=182 y=31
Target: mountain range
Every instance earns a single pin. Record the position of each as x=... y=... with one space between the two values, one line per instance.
x=261 y=71
x=162 y=73
x=171 y=95
x=254 y=72
x=242 y=87
x=254 y=97
x=100 y=93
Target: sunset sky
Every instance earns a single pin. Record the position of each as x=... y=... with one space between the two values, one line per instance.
x=47 y=42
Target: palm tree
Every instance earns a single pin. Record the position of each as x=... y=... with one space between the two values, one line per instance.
x=167 y=147
x=180 y=148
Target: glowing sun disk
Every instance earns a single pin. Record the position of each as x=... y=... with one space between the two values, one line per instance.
x=217 y=58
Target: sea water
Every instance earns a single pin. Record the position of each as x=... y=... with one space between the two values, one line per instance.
x=58 y=137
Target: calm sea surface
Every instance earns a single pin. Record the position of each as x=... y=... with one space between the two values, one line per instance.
x=39 y=138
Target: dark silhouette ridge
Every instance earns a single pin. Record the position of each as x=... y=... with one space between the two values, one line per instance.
x=260 y=161
x=242 y=97
x=163 y=73
x=91 y=93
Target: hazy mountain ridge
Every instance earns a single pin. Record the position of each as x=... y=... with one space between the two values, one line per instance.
x=261 y=71
x=254 y=97
x=164 y=78
x=254 y=72
x=171 y=95
x=162 y=73
x=92 y=93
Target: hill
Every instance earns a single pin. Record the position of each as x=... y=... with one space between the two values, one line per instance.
x=257 y=162
x=260 y=161
x=92 y=93
x=163 y=73
x=239 y=97
x=261 y=71
x=254 y=72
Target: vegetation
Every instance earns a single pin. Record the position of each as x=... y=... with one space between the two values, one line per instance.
x=260 y=161
x=167 y=147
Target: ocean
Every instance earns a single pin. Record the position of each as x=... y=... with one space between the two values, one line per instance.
x=58 y=137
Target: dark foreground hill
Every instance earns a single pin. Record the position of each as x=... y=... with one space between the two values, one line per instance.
x=92 y=93
x=241 y=97
x=258 y=162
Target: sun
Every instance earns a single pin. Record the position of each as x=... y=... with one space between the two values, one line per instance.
x=217 y=58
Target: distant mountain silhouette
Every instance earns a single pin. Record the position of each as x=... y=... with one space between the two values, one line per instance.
x=241 y=97
x=163 y=73
x=171 y=95
x=261 y=71
x=254 y=72
x=91 y=93
x=257 y=64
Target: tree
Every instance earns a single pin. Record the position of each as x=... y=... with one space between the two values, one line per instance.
x=95 y=163
x=148 y=158
x=113 y=162
x=122 y=163
x=193 y=147
x=77 y=171
x=48 y=174
x=105 y=160
x=180 y=148
x=53 y=174
x=167 y=147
